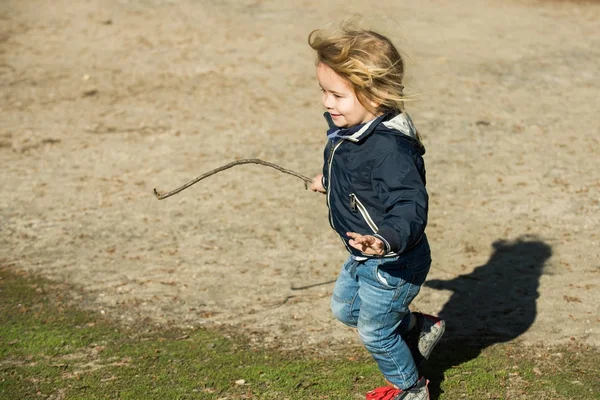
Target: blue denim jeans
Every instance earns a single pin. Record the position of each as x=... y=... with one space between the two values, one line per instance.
x=374 y=296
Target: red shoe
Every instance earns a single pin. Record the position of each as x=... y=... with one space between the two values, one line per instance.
x=417 y=392
x=383 y=393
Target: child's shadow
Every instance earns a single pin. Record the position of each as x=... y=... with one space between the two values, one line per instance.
x=493 y=304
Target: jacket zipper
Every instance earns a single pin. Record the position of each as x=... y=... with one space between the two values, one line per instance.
x=363 y=211
x=329 y=163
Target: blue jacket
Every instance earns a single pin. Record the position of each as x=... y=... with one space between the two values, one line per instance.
x=374 y=175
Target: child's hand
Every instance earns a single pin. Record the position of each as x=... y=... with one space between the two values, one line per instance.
x=366 y=243
x=317 y=184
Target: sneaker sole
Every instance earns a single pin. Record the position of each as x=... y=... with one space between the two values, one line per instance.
x=442 y=329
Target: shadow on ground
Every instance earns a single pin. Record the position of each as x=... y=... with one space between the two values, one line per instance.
x=495 y=303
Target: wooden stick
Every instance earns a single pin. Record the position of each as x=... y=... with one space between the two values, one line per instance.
x=162 y=196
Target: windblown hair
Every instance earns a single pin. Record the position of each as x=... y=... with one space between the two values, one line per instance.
x=367 y=60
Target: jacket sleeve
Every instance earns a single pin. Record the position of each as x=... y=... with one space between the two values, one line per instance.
x=401 y=189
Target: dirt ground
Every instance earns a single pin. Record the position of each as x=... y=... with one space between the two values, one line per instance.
x=103 y=100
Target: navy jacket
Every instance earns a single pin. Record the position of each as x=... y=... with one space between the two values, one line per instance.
x=374 y=175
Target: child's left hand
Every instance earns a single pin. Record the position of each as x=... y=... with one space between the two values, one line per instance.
x=366 y=243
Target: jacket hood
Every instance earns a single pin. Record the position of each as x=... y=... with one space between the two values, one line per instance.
x=402 y=123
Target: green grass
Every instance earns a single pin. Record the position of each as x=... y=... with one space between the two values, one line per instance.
x=51 y=349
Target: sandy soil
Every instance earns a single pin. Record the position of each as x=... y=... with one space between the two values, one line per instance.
x=101 y=101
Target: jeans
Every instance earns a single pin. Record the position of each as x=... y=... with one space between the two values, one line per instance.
x=373 y=296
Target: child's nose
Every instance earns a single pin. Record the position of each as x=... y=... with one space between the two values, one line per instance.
x=328 y=101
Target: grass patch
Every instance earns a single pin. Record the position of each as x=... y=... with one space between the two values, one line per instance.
x=51 y=349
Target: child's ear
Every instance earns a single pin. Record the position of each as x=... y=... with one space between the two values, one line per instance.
x=375 y=105
x=373 y=102
x=370 y=104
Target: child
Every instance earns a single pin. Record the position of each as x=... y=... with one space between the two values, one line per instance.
x=374 y=179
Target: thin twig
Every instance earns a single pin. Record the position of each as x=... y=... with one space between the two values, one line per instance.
x=162 y=196
x=280 y=303
x=313 y=285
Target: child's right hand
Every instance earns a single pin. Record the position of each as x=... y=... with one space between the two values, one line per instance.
x=317 y=184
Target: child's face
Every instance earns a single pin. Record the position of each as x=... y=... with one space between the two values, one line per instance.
x=340 y=99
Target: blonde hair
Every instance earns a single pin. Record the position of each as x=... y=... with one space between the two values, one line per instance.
x=367 y=60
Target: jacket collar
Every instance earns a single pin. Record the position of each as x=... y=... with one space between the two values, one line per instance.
x=355 y=133
x=401 y=123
